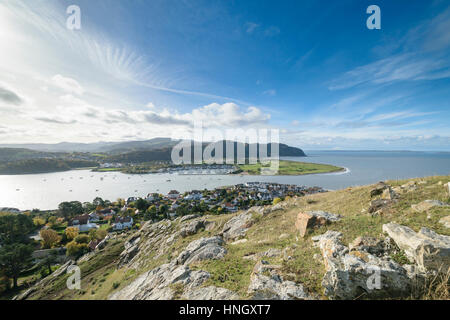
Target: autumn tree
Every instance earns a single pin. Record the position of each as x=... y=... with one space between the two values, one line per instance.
x=38 y=221
x=49 y=238
x=71 y=233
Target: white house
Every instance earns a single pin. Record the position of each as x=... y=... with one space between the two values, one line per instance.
x=173 y=194
x=123 y=223
x=83 y=223
x=193 y=196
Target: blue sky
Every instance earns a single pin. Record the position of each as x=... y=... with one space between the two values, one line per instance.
x=143 y=69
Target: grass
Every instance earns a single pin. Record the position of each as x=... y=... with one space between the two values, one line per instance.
x=290 y=168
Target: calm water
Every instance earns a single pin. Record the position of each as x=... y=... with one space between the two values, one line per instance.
x=46 y=191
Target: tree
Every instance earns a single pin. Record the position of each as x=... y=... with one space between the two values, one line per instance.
x=82 y=238
x=14 y=259
x=88 y=207
x=71 y=233
x=276 y=200
x=4 y=282
x=15 y=228
x=49 y=261
x=76 y=250
x=38 y=221
x=141 y=204
x=70 y=209
x=49 y=238
x=98 y=202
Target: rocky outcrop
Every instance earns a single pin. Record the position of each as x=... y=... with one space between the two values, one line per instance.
x=311 y=219
x=267 y=284
x=188 y=217
x=379 y=206
x=358 y=273
x=152 y=237
x=47 y=281
x=202 y=249
x=159 y=283
x=236 y=228
x=378 y=189
x=445 y=221
x=210 y=293
x=431 y=251
x=192 y=228
x=131 y=249
x=371 y=245
x=427 y=205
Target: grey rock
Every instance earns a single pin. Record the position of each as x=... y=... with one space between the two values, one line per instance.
x=189 y=217
x=156 y=284
x=192 y=228
x=427 y=205
x=272 y=286
x=431 y=251
x=236 y=228
x=378 y=189
x=210 y=293
x=202 y=249
x=445 y=221
x=352 y=275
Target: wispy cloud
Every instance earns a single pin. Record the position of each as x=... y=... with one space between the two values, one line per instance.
x=422 y=57
x=9 y=97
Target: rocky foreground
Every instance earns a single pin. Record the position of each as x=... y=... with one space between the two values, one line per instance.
x=386 y=241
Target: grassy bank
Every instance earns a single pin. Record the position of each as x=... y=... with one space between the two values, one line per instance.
x=291 y=168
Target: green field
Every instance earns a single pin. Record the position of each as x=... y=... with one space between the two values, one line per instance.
x=290 y=168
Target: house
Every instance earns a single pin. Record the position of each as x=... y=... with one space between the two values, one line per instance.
x=152 y=197
x=229 y=207
x=174 y=206
x=83 y=223
x=123 y=223
x=193 y=196
x=173 y=194
x=131 y=199
x=107 y=211
x=94 y=217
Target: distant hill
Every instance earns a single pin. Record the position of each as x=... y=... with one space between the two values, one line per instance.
x=14 y=154
x=156 y=143
x=43 y=166
x=164 y=154
x=126 y=147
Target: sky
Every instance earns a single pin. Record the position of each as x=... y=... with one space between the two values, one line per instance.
x=311 y=69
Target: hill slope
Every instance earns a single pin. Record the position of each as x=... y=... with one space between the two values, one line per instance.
x=261 y=254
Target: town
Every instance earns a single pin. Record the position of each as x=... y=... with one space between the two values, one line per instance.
x=76 y=228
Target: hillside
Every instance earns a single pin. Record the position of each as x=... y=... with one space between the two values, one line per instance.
x=14 y=154
x=124 y=147
x=43 y=166
x=164 y=154
x=327 y=252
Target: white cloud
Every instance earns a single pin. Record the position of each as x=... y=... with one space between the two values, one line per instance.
x=68 y=84
x=251 y=27
x=270 y=92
